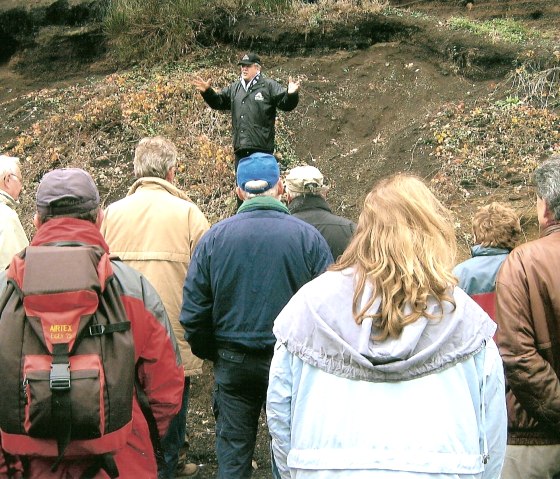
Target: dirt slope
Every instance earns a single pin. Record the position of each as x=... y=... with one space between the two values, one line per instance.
x=361 y=113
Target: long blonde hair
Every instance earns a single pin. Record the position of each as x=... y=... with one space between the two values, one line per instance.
x=405 y=247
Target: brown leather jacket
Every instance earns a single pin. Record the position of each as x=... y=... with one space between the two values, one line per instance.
x=528 y=317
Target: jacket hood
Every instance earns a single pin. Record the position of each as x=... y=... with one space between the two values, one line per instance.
x=65 y=229
x=479 y=250
x=317 y=325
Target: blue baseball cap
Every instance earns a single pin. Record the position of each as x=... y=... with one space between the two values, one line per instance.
x=258 y=167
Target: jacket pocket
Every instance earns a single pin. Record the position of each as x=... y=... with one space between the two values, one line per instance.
x=231 y=356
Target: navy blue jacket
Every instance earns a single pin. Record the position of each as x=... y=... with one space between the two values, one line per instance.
x=244 y=271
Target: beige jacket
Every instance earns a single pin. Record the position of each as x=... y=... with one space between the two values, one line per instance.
x=155 y=230
x=12 y=236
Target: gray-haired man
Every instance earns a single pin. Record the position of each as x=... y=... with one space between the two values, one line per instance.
x=12 y=235
x=528 y=315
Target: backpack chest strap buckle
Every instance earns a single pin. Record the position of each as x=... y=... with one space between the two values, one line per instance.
x=59 y=378
x=96 y=329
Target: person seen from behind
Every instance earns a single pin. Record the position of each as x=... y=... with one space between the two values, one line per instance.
x=528 y=317
x=496 y=230
x=155 y=230
x=306 y=196
x=69 y=215
x=382 y=367
x=244 y=271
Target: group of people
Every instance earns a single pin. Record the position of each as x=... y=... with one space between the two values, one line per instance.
x=372 y=355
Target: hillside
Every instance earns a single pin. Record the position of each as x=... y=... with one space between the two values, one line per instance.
x=398 y=91
x=374 y=88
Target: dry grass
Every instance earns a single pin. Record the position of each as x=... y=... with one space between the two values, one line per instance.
x=150 y=31
x=489 y=151
x=97 y=125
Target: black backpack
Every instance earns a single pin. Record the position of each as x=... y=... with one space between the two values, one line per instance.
x=67 y=366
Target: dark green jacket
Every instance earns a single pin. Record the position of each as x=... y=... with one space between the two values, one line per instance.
x=313 y=209
x=253 y=113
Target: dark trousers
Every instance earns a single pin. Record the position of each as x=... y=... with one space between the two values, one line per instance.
x=241 y=381
x=174 y=439
x=243 y=153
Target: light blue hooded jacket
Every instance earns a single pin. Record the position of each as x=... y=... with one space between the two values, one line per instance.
x=429 y=404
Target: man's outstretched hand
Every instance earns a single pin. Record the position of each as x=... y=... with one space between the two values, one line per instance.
x=200 y=84
x=293 y=85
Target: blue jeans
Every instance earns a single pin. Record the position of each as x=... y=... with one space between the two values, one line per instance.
x=241 y=381
x=174 y=439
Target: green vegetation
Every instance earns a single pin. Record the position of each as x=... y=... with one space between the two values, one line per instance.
x=163 y=29
x=498 y=29
x=151 y=31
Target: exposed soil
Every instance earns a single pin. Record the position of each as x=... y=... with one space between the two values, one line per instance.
x=362 y=115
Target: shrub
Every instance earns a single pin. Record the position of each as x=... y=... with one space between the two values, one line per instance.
x=159 y=29
x=150 y=31
x=537 y=81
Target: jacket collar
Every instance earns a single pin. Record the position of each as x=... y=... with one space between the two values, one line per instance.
x=479 y=250
x=152 y=182
x=309 y=202
x=251 y=82
x=7 y=199
x=263 y=203
x=257 y=81
x=69 y=229
x=550 y=229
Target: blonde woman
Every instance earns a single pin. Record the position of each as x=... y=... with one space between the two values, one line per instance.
x=383 y=368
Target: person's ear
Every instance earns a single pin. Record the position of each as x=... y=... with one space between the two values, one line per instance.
x=240 y=193
x=548 y=213
x=170 y=176
x=280 y=187
x=99 y=219
x=37 y=221
x=544 y=214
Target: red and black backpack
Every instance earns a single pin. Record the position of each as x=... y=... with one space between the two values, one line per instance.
x=66 y=356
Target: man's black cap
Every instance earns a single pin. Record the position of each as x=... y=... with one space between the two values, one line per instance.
x=249 y=59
